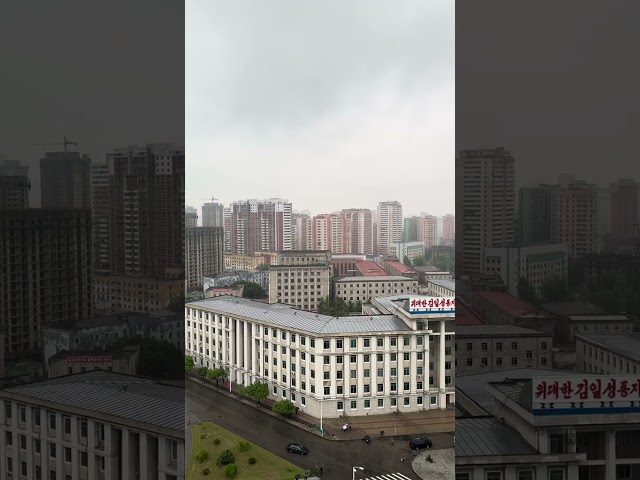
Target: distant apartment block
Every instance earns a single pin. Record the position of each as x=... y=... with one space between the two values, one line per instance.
x=300 y=278
x=536 y=263
x=212 y=215
x=389 y=224
x=46 y=280
x=121 y=293
x=190 y=217
x=410 y=250
x=74 y=427
x=301 y=226
x=485 y=205
x=448 y=229
x=574 y=219
x=243 y=262
x=204 y=247
x=534 y=217
x=363 y=289
x=359 y=231
x=14 y=185
x=65 y=180
x=259 y=225
x=624 y=216
x=410 y=229
x=608 y=354
x=427 y=229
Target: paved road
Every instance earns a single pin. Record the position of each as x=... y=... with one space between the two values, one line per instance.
x=273 y=434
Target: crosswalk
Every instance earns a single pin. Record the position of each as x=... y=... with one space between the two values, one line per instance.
x=389 y=476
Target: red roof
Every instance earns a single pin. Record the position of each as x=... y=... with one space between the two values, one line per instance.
x=511 y=305
x=466 y=316
x=401 y=267
x=368 y=268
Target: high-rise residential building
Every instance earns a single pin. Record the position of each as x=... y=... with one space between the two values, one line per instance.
x=448 y=229
x=301 y=225
x=485 y=204
x=101 y=216
x=300 y=278
x=14 y=185
x=259 y=226
x=146 y=210
x=226 y=225
x=574 y=219
x=45 y=274
x=212 y=215
x=321 y=236
x=65 y=180
x=410 y=229
x=534 y=217
x=190 y=217
x=389 y=220
x=624 y=215
x=358 y=231
x=204 y=247
x=427 y=227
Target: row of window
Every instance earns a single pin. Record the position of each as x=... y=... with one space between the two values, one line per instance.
x=526 y=473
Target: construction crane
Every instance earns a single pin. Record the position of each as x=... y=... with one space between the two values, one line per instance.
x=212 y=199
x=66 y=142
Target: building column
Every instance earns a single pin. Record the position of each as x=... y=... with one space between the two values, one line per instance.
x=246 y=349
x=231 y=349
x=75 y=453
x=610 y=455
x=128 y=472
x=239 y=354
x=441 y=367
x=145 y=458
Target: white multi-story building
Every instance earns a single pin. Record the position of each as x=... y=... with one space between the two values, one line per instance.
x=411 y=250
x=357 y=365
x=389 y=224
x=98 y=425
x=362 y=289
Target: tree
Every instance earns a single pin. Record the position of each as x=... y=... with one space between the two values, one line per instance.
x=226 y=457
x=526 y=292
x=333 y=307
x=257 y=390
x=263 y=266
x=444 y=262
x=419 y=261
x=216 y=374
x=406 y=260
x=554 y=289
x=251 y=289
x=201 y=371
x=188 y=363
x=284 y=408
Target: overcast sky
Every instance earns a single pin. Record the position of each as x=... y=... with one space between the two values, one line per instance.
x=555 y=82
x=329 y=104
x=106 y=74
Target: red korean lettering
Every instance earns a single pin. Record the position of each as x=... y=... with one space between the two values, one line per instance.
x=596 y=388
x=610 y=389
x=582 y=389
x=553 y=390
x=566 y=389
x=448 y=302
x=623 y=388
x=541 y=390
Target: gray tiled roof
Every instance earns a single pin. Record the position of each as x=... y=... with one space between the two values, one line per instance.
x=381 y=278
x=104 y=392
x=281 y=315
x=445 y=283
x=486 y=436
x=493 y=330
x=625 y=345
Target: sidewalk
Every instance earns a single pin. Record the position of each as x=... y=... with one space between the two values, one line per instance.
x=400 y=424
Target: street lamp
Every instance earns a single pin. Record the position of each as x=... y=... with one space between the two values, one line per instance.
x=321 y=429
x=354 y=472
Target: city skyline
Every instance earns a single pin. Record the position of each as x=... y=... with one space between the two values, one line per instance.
x=273 y=110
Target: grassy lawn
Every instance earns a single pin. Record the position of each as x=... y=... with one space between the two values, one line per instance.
x=267 y=466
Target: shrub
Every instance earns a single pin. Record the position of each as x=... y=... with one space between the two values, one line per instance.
x=244 y=446
x=284 y=408
x=231 y=470
x=205 y=471
x=252 y=460
x=216 y=441
x=226 y=457
x=202 y=455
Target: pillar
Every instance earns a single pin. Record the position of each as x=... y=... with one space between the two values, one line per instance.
x=610 y=455
x=128 y=471
x=246 y=349
x=441 y=366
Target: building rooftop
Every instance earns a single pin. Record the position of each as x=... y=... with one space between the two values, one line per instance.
x=125 y=352
x=572 y=308
x=374 y=278
x=370 y=269
x=444 y=283
x=401 y=267
x=280 y=315
x=123 y=396
x=486 y=436
x=430 y=269
x=496 y=331
x=466 y=316
x=599 y=318
x=511 y=305
x=625 y=345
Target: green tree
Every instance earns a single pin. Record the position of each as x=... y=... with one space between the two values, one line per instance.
x=188 y=364
x=554 y=289
x=444 y=262
x=526 y=292
x=419 y=261
x=406 y=260
x=251 y=289
x=201 y=371
x=263 y=266
x=231 y=470
x=333 y=307
x=257 y=390
x=284 y=408
x=226 y=457
x=216 y=374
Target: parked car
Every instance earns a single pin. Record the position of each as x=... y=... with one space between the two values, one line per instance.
x=297 y=448
x=420 y=442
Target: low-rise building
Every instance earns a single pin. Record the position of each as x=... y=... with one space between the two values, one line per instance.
x=124 y=360
x=441 y=287
x=429 y=272
x=368 y=268
x=363 y=289
x=243 y=262
x=485 y=348
x=213 y=292
x=345 y=264
x=356 y=365
x=599 y=325
x=127 y=293
x=395 y=268
x=608 y=354
x=410 y=250
x=100 y=425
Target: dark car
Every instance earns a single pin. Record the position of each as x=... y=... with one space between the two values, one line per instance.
x=420 y=442
x=297 y=448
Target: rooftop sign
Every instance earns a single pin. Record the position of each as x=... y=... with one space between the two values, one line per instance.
x=422 y=305
x=584 y=395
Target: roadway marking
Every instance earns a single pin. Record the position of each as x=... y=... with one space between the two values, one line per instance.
x=389 y=476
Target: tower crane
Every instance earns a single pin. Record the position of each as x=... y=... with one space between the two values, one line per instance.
x=66 y=142
x=212 y=199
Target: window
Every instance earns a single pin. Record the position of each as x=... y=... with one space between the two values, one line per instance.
x=83 y=429
x=379 y=357
x=556 y=443
x=556 y=474
x=23 y=413
x=407 y=401
x=380 y=342
x=23 y=442
x=293 y=338
x=406 y=386
x=434 y=400
x=8 y=438
x=326 y=360
x=419 y=401
x=525 y=475
x=499 y=361
x=469 y=362
x=352 y=358
x=303 y=340
x=484 y=346
x=52 y=451
x=406 y=341
x=394 y=357
x=406 y=356
x=529 y=354
x=499 y=346
x=36 y=445
x=352 y=343
x=313 y=343
x=367 y=342
x=67 y=454
x=340 y=406
x=327 y=391
x=338 y=343
x=23 y=469
x=380 y=387
x=67 y=425
x=36 y=416
x=84 y=459
x=354 y=389
x=469 y=347
x=354 y=405
x=339 y=359
x=367 y=403
x=394 y=341
x=493 y=475
x=52 y=421
x=367 y=373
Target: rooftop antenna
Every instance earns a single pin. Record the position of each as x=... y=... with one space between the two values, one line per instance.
x=66 y=142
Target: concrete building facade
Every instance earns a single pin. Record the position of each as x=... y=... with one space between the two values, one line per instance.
x=259 y=226
x=389 y=225
x=410 y=250
x=14 y=185
x=363 y=289
x=204 y=249
x=65 y=180
x=130 y=293
x=608 y=354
